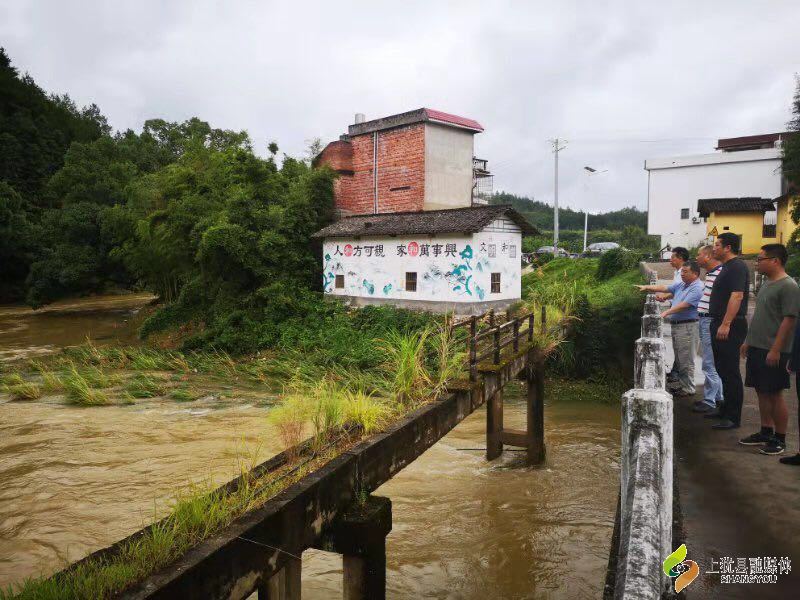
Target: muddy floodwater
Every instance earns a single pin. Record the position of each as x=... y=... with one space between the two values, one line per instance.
x=27 y=333
x=76 y=479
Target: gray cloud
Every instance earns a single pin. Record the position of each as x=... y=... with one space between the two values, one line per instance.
x=621 y=81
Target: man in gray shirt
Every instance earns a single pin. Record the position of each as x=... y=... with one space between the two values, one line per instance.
x=767 y=348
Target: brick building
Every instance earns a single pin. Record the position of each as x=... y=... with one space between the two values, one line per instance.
x=417 y=160
x=414 y=228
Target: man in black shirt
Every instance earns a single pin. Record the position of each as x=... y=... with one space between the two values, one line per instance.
x=728 y=309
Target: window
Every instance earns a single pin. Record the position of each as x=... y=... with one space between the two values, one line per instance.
x=339 y=284
x=684 y=213
x=512 y=251
x=495 y=283
x=411 y=282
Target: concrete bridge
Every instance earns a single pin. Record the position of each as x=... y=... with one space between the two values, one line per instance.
x=331 y=508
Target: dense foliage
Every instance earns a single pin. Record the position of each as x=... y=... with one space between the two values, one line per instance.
x=541 y=215
x=791 y=164
x=603 y=309
x=631 y=237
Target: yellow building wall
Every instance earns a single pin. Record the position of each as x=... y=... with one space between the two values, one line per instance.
x=785 y=227
x=749 y=225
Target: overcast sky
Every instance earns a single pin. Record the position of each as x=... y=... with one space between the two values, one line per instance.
x=625 y=82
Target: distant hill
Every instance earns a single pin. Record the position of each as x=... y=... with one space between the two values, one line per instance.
x=541 y=215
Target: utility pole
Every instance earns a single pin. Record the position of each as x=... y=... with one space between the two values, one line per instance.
x=590 y=171
x=556 y=149
x=585 y=227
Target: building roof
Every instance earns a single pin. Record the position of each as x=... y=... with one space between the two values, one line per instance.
x=427 y=222
x=750 y=142
x=707 y=206
x=420 y=115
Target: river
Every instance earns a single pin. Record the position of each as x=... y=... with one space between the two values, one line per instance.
x=76 y=479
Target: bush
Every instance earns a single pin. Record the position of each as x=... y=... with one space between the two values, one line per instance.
x=615 y=262
x=793 y=266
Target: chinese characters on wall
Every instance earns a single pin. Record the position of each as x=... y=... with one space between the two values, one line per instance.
x=421 y=249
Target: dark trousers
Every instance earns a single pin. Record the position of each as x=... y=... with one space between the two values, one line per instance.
x=726 y=361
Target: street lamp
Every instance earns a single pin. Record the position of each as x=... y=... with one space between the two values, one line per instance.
x=590 y=171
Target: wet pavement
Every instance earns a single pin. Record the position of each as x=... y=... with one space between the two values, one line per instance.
x=734 y=501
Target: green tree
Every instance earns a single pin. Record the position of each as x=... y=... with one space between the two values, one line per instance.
x=791 y=160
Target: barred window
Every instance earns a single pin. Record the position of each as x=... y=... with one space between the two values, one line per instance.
x=339 y=284
x=495 y=283
x=411 y=281
x=684 y=213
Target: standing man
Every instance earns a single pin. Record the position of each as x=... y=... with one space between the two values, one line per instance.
x=712 y=387
x=682 y=316
x=728 y=309
x=767 y=348
x=678 y=258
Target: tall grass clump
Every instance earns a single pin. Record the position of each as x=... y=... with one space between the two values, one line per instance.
x=12 y=379
x=405 y=366
x=80 y=392
x=23 y=391
x=144 y=386
x=365 y=411
x=326 y=409
x=289 y=419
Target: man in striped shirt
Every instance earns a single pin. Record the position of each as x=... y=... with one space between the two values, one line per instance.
x=712 y=388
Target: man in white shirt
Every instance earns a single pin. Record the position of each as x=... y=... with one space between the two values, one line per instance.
x=679 y=257
x=712 y=387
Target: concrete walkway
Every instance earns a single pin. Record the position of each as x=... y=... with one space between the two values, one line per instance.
x=733 y=501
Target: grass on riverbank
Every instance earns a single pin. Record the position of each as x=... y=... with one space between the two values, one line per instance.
x=603 y=314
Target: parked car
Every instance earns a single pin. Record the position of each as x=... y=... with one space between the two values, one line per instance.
x=549 y=250
x=599 y=248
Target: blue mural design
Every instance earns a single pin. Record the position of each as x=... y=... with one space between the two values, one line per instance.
x=460 y=276
x=369 y=286
x=479 y=291
x=387 y=288
x=328 y=276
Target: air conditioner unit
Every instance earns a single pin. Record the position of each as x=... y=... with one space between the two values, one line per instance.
x=695 y=220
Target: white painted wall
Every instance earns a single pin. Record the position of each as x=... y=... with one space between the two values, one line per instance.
x=448 y=167
x=679 y=182
x=460 y=276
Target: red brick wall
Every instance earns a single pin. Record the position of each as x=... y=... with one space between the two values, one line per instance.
x=401 y=164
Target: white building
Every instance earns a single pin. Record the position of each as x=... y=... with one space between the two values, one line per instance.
x=743 y=167
x=464 y=260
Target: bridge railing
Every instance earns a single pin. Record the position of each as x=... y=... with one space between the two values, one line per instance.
x=645 y=515
x=489 y=342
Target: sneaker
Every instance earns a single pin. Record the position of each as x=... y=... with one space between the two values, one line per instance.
x=725 y=424
x=756 y=439
x=702 y=407
x=791 y=460
x=775 y=446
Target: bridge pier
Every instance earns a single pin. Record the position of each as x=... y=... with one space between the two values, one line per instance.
x=283 y=585
x=359 y=535
x=532 y=437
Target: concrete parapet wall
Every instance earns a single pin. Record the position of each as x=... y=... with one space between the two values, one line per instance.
x=645 y=515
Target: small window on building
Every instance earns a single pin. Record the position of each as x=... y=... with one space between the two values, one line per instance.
x=512 y=251
x=339 y=283
x=495 y=283
x=684 y=213
x=411 y=281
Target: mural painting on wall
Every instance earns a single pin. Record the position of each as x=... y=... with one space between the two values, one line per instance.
x=459 y=278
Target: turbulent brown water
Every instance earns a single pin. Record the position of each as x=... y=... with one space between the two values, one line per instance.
x=25 y=333
x=76 y=479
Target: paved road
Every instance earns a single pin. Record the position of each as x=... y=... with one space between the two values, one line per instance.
x=734 y=501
